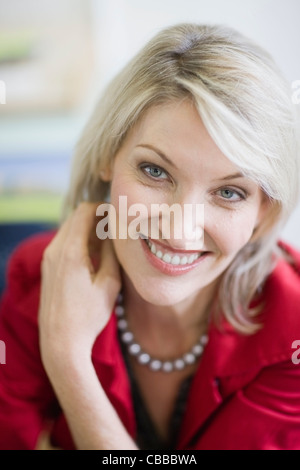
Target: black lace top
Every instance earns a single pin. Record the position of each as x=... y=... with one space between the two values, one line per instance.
x=148 y=437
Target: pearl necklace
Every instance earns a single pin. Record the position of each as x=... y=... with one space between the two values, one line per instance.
x=134 y=348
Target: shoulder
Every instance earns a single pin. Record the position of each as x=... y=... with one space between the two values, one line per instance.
x=24 y=273
x=280 y=316
x=281 y=313
x=27 y=257
x=286 y=275
x=258 y=375
x=279 y=322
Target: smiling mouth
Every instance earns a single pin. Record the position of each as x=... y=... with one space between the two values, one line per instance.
x=173 y=258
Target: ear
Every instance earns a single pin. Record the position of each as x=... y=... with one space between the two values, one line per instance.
x=267 y=215
x=265 y=206
x=106 y=174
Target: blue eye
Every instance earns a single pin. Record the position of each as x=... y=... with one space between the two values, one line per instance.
x=231 y=195
x=155 y=172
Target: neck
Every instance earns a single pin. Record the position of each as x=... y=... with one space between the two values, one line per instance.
x=168 y=330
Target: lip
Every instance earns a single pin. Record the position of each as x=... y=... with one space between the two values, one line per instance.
x=171 y=270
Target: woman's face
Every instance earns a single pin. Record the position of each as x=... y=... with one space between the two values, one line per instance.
x=169 y=158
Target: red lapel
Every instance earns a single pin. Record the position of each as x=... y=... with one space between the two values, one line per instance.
x=231 y=361
x=112 y=373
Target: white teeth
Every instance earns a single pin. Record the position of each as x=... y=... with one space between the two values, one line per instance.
x=175 y=260
x=167 y=258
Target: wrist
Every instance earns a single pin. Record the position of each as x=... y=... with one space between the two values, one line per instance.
x=64 y=360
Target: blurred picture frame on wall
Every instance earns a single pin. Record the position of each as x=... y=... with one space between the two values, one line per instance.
x=46 y=54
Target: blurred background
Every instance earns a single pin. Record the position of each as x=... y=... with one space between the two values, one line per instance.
x=56 y=56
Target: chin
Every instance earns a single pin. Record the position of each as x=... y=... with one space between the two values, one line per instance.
x=160 y=292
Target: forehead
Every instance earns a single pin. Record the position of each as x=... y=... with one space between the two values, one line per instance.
x=176 y=129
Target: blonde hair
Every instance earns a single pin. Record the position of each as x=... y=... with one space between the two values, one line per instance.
x=246 y=106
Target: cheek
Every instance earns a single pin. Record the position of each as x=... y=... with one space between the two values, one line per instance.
x=231 y=231
x=120 y=187
x=125 y=196
x=134 y=192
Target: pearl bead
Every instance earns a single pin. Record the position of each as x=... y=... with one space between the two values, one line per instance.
x=189 y=358
x=155 y=364
x=144 y=358
x=198 y=349
x=127 y=337
x=167 y=366
x=134 y=349
x=204 y=340
x=179 y=364
x=122 y=324
x=119 y=311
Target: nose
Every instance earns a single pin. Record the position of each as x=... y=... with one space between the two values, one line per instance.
x=182 y=225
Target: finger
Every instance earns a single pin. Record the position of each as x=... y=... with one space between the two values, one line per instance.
x=109 y=264
x=60 y=236
x=77 y=237
x=83 y=224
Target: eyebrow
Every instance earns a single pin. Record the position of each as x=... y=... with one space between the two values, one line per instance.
x=166 y=159
x=231 y=177
x=159 y=153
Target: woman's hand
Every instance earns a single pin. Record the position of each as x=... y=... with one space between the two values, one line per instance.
x=77 y=296
x=77 y=299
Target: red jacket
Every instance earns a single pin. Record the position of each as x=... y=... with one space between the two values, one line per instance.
x=245 y=394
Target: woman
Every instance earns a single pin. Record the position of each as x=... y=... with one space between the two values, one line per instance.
x=150 y=343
